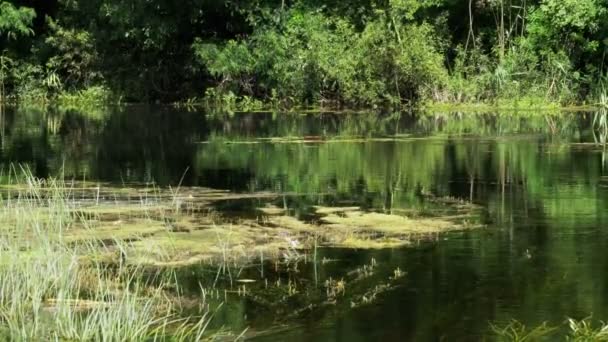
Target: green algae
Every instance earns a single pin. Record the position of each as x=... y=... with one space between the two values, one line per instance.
x=178 y=227
x=272 y=235
x=363 y=242
x=116 y=230
x=386 y=223
x=272 y=210
x=332 y=210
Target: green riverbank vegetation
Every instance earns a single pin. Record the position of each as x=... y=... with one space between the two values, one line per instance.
x=305 y=53
x=52 y=288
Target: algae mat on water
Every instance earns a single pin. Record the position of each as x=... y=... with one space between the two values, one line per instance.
x=166 y=227
x=175 y=227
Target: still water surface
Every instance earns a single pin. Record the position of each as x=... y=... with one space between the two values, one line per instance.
x=541 y=182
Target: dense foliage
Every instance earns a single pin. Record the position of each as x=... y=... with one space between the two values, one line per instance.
x=304 y=52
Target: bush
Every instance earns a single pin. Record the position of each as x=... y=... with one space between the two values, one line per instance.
x=311 y=58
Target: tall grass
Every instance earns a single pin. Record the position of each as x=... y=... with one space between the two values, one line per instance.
x=573 y=330
x=54 y=290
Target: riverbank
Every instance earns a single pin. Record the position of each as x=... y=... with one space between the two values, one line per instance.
x=96 y=97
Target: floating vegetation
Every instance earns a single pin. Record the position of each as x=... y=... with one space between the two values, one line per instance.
x=353 y=228
x=272 y=210
x=334 y=210
x=178 y=227
x=386 y=223
x=281 y=237
x=112 y=239
x=318 y=140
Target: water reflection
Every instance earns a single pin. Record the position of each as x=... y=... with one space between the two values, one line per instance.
x=541 y=180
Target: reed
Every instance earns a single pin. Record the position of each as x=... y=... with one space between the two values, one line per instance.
x=53 y=289
x=584 y=330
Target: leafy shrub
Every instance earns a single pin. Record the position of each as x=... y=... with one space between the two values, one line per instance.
x=73 y=56
x=312 y=58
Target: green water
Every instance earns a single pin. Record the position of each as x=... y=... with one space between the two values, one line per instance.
x=541 y=183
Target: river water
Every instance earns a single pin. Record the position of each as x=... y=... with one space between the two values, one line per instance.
x=540 y=181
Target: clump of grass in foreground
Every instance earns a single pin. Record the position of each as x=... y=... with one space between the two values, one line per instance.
x=54 y=290
x=578 y=331
x=584 y=330
x=518 y=332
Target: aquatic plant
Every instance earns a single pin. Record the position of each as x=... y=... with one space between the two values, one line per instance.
x=515 y=331
x=52 y=288
x=586 y=331
x=577 y=331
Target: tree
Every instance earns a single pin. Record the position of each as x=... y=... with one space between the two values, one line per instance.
x=576 y=27
x=15 y=21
